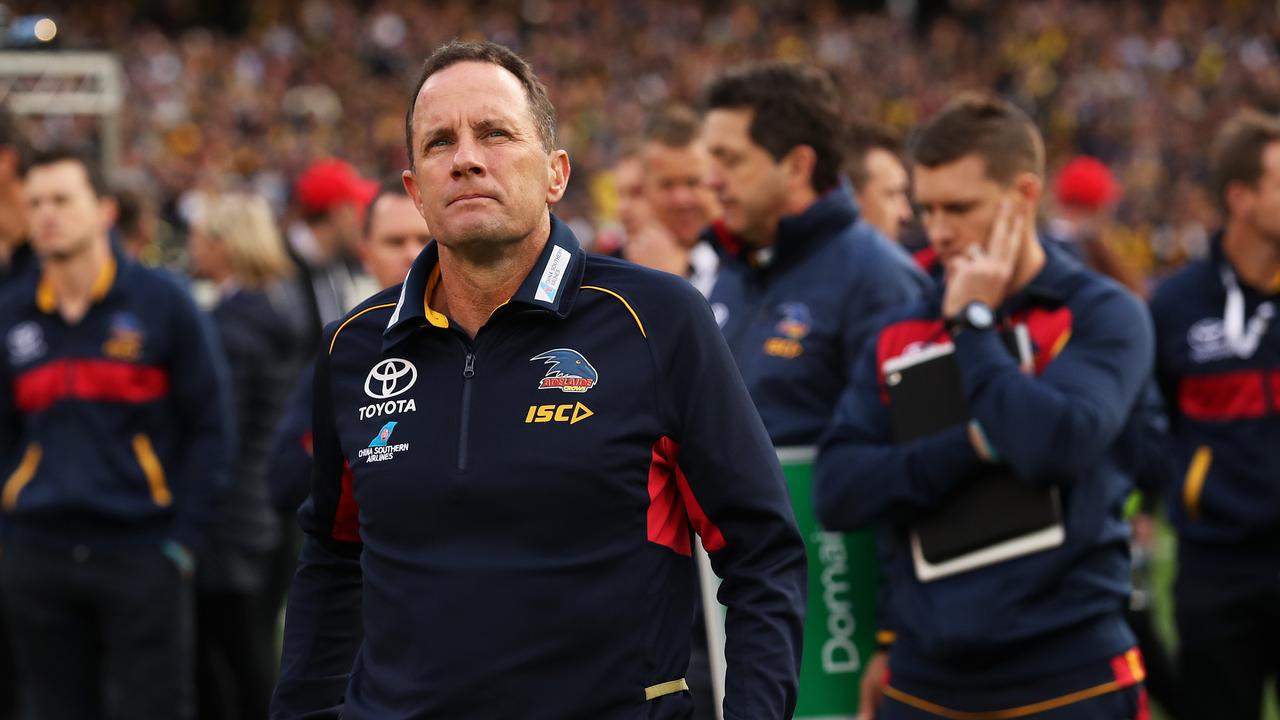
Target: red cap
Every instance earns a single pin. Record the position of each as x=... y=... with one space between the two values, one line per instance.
x=332 y=182
x=1086 y=182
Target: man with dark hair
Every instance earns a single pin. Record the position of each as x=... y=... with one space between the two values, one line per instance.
x=1218 y=365
x=674 y=167
x=1041 y=632
x=114 y=436
x=15 y=252
x=521 y=547
x=802 y=276
x=879 y=179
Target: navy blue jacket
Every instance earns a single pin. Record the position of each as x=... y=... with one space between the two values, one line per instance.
x=509 y=517
x=1071 y=424
x=797 y=314
x=118 y=428
x=1224 y=410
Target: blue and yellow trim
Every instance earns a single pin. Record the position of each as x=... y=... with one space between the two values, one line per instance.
x=47 y=299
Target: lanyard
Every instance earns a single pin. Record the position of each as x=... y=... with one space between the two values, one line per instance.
x=1242 y=338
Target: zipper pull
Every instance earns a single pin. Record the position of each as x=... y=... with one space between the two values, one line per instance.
x=470 y=370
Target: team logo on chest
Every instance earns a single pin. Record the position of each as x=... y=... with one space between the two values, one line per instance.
x=568 y=371
x=125 y=340
x=793 y=327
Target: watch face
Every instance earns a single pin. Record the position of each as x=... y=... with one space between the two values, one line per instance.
x=979 y=316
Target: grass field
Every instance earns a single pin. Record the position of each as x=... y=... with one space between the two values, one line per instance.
x=1164 y=568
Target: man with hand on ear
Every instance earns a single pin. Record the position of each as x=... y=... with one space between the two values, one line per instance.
x=1041 y=633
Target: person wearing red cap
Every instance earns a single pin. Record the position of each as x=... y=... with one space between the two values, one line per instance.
x=331 y=198
x=1086 y=194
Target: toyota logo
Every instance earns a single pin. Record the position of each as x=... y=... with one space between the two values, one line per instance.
x=389 y=378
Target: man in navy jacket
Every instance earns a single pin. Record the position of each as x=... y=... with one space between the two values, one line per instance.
x=511 y=450
x=802 y=278
x=1042 y=632
x=114 y=438
x=1218 y=366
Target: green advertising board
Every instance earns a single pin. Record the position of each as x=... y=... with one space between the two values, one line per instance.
x=840 y=619
x=840 y=623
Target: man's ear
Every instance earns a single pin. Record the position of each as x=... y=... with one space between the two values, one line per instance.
x=410 y=180
x=1236 y=197
x=108 y=211
x=1030 y=188
x=558 y=171
x=800 y=163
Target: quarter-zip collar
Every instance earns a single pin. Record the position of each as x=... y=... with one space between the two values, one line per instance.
x=550 y=287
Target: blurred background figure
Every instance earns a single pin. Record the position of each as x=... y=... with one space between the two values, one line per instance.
x=626 y=195
x=115 y=438
x=674 y=165
x=15 y=252
x=235 y=244
x=331 y=198
x=880 y=183
x=1085 y=197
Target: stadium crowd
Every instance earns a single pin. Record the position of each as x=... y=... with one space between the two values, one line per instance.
x=230 y=185
x=1137 y=84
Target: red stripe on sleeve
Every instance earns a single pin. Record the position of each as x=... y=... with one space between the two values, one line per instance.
x=673 y=506
x=39 y=389
x=1223 y=396
x=667 y=521
x=346 y=521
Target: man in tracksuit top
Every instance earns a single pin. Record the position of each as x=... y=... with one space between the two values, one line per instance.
x=1218 y=365
x=114 y=442
x=512 y=450
x=1041 y=635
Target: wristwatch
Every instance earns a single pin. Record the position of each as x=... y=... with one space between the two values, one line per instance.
x=974 y=316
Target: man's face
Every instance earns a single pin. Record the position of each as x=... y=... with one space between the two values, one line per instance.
x=1264 y=199
x=482 y=177
x=64 y=212
x=958 y=204
x=628 y=179
x=750 y=185
x=884 y=199
x=675 y=184
x=397 y=233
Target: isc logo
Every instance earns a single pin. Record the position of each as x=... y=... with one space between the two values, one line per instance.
x=570 y=413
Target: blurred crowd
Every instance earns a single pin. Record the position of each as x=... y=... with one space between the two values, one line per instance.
x=1140 y=85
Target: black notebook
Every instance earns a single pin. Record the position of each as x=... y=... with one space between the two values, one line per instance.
x=991 y=519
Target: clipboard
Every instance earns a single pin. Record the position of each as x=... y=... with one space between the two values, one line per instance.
x=992 y=519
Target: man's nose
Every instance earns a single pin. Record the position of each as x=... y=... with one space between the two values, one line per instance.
x=467 y=158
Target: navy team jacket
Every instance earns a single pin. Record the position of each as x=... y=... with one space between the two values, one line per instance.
x=797 y=314
x=501 y=527
x=116 y=429
x=1224 y=409
x=1071 y=424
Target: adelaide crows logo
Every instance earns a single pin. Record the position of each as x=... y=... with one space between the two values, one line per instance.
x=569 y=371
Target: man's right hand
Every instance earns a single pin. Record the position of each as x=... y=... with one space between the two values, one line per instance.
x=653 y=246
x=871 y=689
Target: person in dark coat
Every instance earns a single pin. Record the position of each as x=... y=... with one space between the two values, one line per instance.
x=236 y=245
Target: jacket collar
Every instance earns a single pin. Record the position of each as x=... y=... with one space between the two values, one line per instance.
x=47 y=298
x=797 y=235
x=550 y=287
